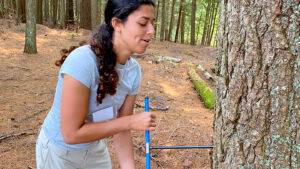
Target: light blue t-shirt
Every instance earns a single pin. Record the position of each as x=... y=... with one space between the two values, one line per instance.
x=81 y=64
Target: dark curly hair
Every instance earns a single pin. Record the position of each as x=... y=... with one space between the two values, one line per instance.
x=101 y=44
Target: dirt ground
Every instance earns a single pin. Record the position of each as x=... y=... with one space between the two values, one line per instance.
x=28 y=85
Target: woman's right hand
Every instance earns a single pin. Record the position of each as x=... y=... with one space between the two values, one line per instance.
x=143 y=121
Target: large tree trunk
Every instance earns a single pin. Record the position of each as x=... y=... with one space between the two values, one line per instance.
x=257 y=113
x=193 y=20
x=163 y=17
x=30 y=39
x=85 y=14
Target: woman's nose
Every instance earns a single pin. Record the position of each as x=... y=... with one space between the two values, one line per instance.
x=150 y=30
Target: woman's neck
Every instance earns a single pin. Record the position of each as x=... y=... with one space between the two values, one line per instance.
x=121 y=51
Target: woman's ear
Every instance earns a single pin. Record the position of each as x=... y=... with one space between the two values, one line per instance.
x=116 y=24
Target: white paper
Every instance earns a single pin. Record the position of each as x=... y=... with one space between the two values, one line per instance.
x=103 y=115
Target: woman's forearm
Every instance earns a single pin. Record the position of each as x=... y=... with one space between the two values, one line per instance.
x=89 y=132
x=124 y=149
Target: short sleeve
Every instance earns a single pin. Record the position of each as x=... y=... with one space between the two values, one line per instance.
x=137 y=81
x=79 y=65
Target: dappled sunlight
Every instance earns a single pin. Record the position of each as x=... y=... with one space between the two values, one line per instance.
x=168 y=89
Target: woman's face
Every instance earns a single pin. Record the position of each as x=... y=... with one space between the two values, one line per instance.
x=136 y=32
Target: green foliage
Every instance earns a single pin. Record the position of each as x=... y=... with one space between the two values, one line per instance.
x=189 y=54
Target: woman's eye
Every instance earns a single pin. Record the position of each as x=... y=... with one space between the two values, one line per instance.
x=143 y=25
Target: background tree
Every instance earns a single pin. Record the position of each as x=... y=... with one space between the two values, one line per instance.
x=95 y=19
x=182 y=23
x=69 y=12
x=39 y=18
x=21 y=11
x=257 y=109
x=85 y=14
x=178 y=20
x=193 y=20
x=62 y=15
x=163 y=18
x=171 y=21
x=30 y=39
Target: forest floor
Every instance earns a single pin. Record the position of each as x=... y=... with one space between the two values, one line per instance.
x=28 y=85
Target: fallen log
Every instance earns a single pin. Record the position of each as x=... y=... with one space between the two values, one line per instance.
x=206 y=74
x=167 y=58
x=205 y=92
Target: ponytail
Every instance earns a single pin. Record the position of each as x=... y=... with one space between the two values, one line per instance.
x=102 y=46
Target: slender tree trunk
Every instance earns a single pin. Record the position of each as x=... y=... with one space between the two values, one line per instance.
x=198 y=27
x=99 y=11
x=30 y=39
x=62 y=15
x=94 y=13
x=193 y=20
x=21 y=12
x=54 y=19
x=39 y=12
x=46 y=10
x=178 y=21
x=163 y=17
x=53 y=13
x=69 y=12
x=213 y=23
x=166 y=19
x=85 y=15
x=182 y=28
x=171 y=21
x=157 y=18
x=257 y=113
x=206 y=22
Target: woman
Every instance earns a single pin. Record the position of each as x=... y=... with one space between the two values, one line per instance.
x=98 y=82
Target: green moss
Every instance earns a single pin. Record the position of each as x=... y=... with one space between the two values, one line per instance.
x=206 y=94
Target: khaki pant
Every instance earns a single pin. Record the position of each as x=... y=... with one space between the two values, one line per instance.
x=49 y=156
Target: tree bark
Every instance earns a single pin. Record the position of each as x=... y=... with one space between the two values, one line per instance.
x=206 y=23
x=171 y=21
x=70 y=12
x=21 y=12
x=85 y=14
x=30 y=39
x=163 y=17
x=178 y=21
x=166 y=19
x=182 y=28
x=94 y=13
x=193 y=20
x=62 y=16
x=257 y=110
x=39 y=19
x=157 y=17
x=46 y=10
